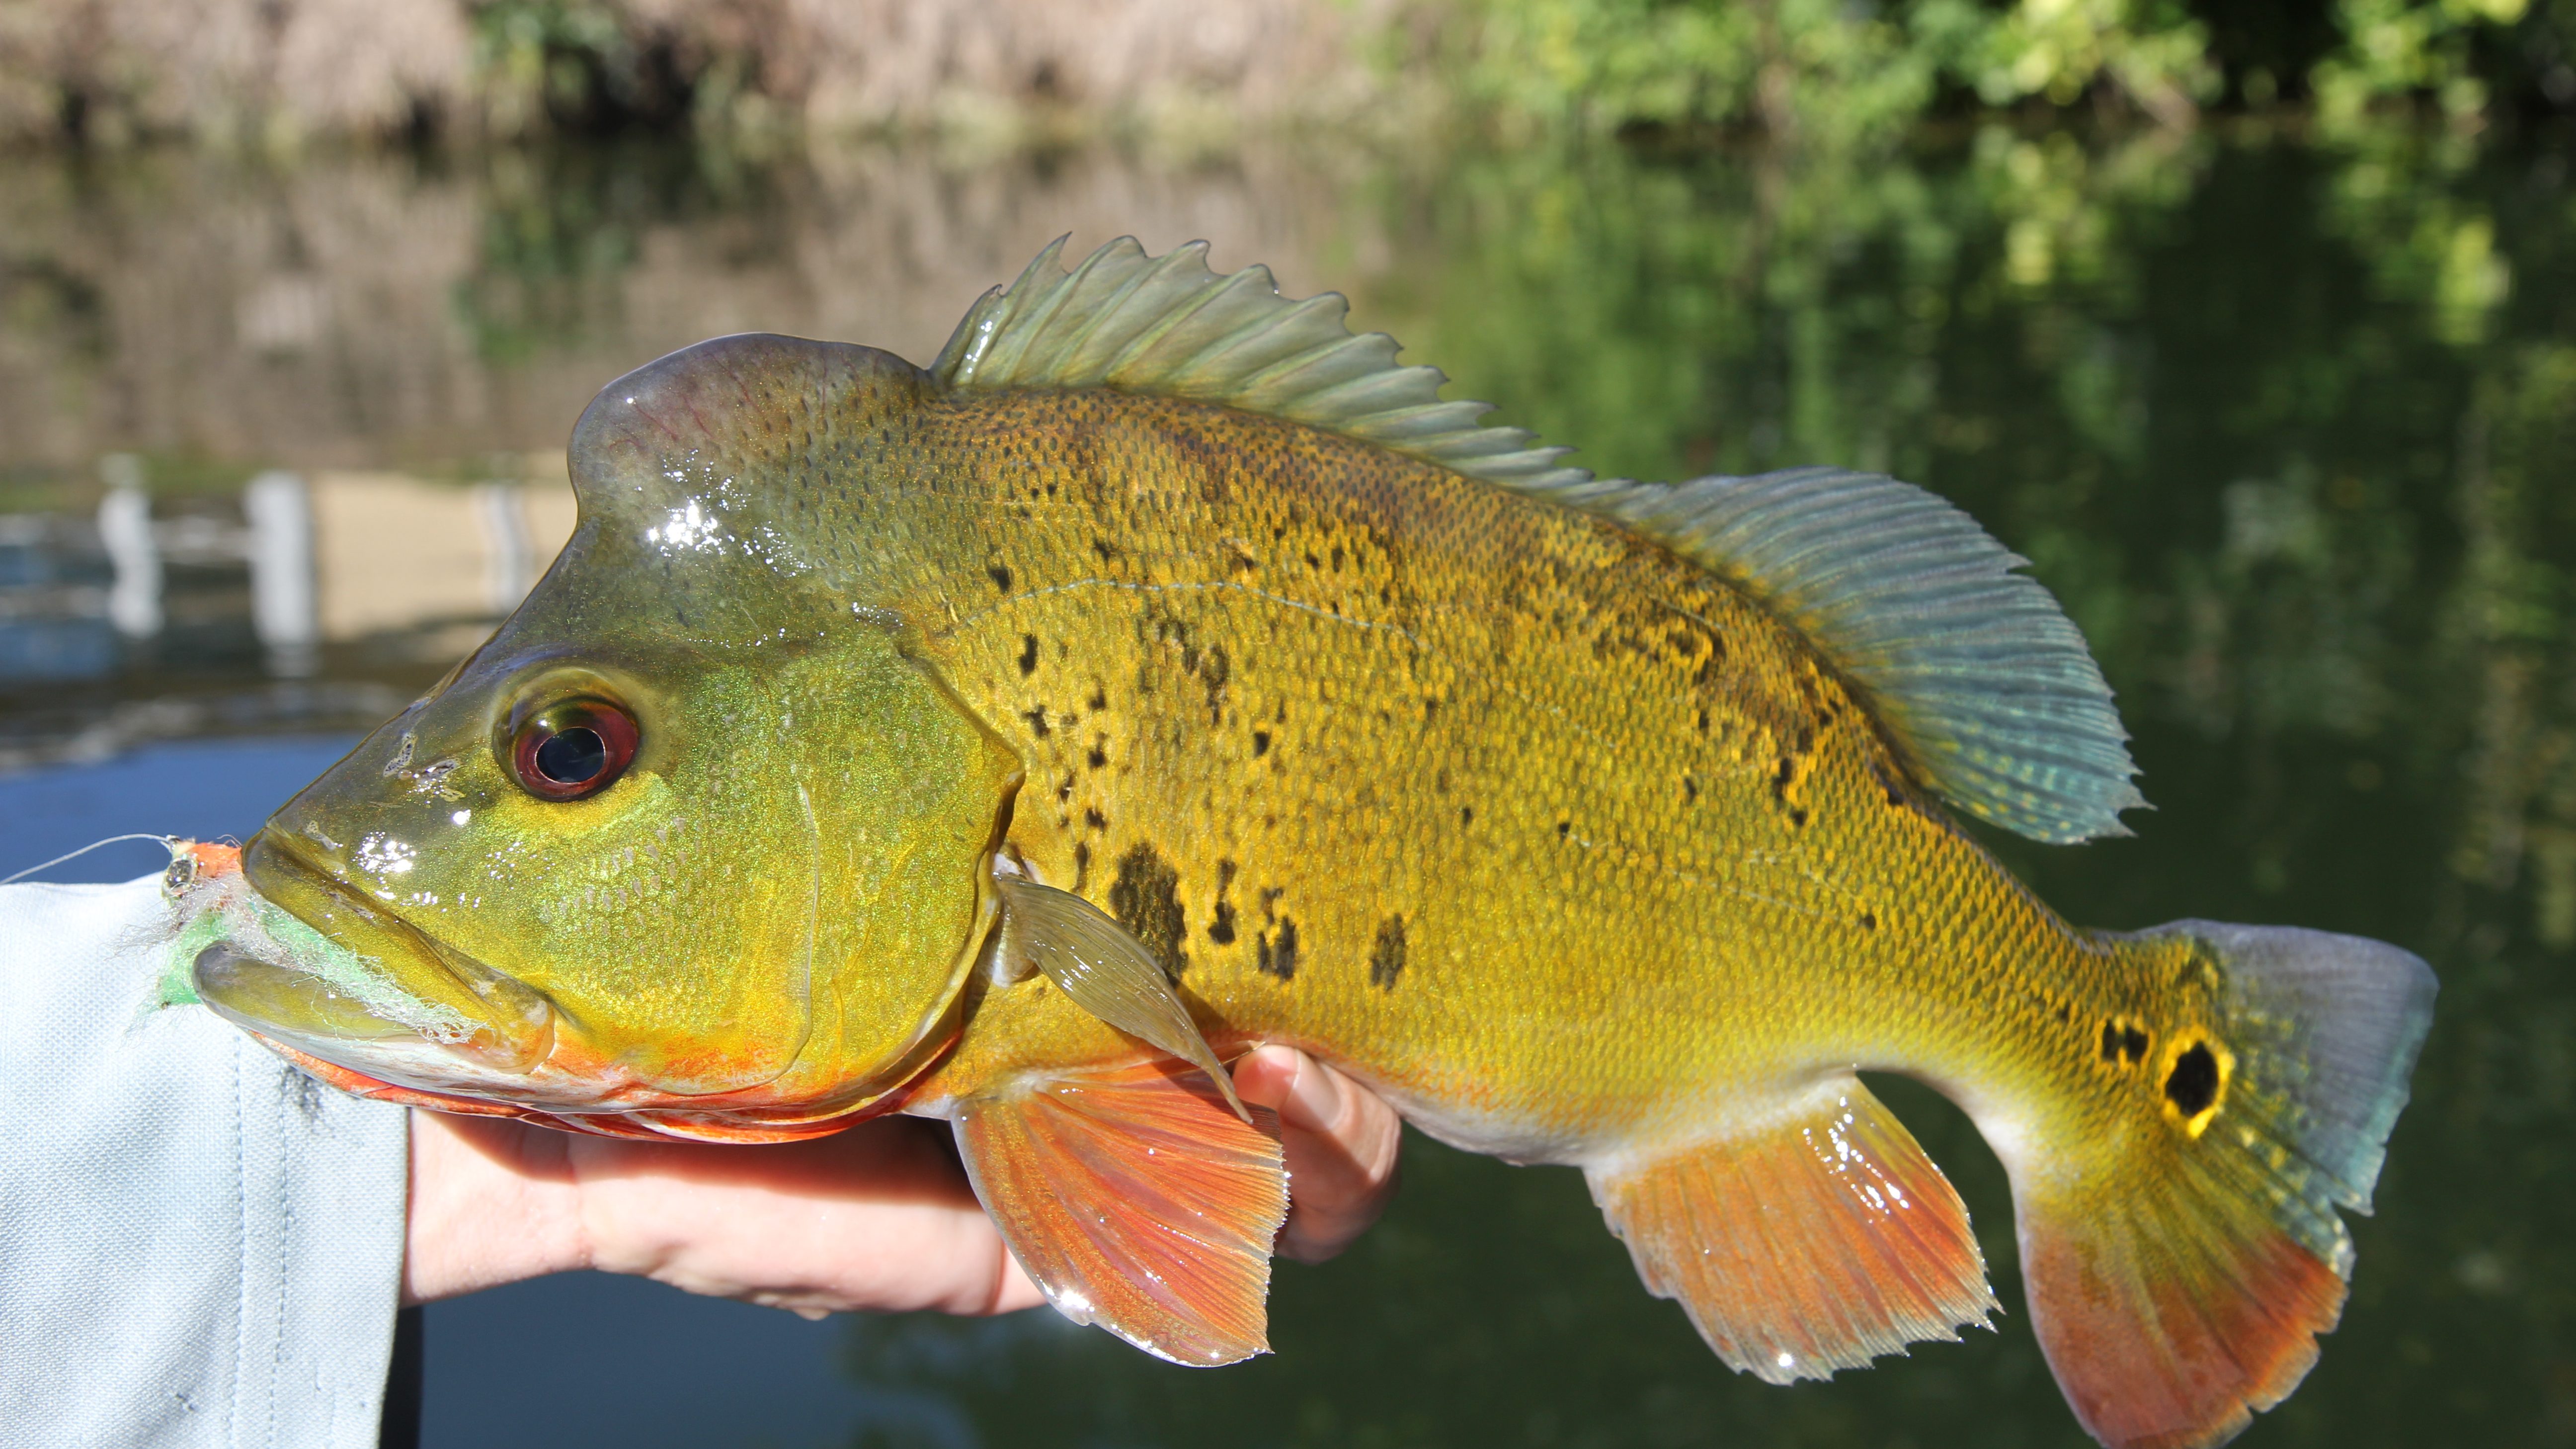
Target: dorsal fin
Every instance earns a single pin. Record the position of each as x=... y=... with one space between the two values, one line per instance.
x=1168 y=326
x=1982 y=682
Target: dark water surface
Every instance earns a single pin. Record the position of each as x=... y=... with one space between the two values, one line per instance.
x=2291 y=429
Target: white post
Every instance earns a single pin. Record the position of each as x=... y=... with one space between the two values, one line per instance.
x=282 y=608
x=125 y=531
x=508 y=570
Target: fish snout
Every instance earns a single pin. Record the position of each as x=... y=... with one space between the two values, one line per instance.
x=311 y=964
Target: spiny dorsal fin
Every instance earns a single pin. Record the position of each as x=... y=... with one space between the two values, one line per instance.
x=1170 y=327
x=1983 y=683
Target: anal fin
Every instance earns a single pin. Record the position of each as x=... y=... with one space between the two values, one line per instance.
x=1138 y=1201
x=1815 y=1241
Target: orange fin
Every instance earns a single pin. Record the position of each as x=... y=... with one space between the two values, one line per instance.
x=1814 y=1242
x=2163 y=1335
x=1138 y=1201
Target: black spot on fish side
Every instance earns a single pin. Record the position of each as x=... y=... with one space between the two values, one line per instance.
x=2193 y=1083
x=1081 y=865
x=1221 y=929
x=1095 y=819
x=1466 y=815
x=1146 y=899
x=1099 y=755
x=1260 y=743
x=1690 y=789
x=1028 y=655
x=2110 y=1041
x=1869 y=920
x=2133 y=1046
x=1037 y=721
x=1564 y=828
x=1099 y=700
x=1001 y=577
x=1109 y=552
x=1386 y=958
x=1276 y=951
x=1798 y=817
x=1217 y=672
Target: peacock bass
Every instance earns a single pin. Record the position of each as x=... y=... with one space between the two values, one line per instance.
x=1165 y=671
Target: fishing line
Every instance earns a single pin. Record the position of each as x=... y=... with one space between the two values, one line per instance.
x=167 y=842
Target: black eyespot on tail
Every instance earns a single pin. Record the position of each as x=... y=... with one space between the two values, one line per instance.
x=2193 y=1083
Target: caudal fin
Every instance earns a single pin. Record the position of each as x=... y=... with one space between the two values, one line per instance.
x=2180 y=1267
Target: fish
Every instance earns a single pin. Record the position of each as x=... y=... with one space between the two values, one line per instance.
x=1165 y=670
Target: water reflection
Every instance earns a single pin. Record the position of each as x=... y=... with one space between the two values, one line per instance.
x=376 y=567
x=2288 y=427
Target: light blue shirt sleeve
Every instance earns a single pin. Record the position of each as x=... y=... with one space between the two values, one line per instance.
x=199 y=1245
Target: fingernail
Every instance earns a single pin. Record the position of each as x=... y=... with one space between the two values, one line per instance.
x=1315 y=1097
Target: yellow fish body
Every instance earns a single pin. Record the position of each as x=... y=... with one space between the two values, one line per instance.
x=1164 y=672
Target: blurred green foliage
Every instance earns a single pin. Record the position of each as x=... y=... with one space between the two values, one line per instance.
x=1839 y=72
x=1822 y=71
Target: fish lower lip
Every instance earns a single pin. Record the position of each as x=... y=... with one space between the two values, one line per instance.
x=263 y=994
x=430 y=993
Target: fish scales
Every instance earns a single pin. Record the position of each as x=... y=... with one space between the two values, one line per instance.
x=1163 y=672
x=1476 y=652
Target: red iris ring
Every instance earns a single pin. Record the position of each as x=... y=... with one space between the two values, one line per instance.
x=553 y=761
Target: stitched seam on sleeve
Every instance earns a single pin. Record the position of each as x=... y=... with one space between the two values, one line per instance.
x=241 y=1276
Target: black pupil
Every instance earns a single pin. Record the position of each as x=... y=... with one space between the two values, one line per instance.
x=573 y=757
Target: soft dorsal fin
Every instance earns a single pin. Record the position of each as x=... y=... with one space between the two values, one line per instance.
x=1984 y=685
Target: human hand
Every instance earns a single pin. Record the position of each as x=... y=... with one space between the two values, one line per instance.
x=877 y=1217
x=1340 y=1139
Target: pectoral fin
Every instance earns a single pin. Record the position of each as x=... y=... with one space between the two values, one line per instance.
x=1105 y=971
x=1815 y=1241
x=1136 y=1202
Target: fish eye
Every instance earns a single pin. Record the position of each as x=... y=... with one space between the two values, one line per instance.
x=572 y=750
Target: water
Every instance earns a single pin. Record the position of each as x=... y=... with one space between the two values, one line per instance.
x=2289 y=429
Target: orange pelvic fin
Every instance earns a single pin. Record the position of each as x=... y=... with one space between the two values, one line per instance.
x=1816 y=1241
x=1138 y=1201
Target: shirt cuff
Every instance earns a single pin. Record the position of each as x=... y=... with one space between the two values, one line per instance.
x=199 y=1245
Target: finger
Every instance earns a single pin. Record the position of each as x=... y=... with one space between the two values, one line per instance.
x=878 y=1217
x=1340 y=1140
x=490 y=1203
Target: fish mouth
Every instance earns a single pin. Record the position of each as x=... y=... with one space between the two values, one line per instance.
x=360 y=988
